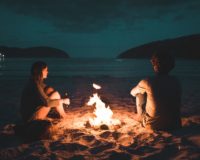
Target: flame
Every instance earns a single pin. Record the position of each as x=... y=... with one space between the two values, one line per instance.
x=96 y=86
x=103 y=114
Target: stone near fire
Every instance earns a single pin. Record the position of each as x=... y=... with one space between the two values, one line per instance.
x=104 y=127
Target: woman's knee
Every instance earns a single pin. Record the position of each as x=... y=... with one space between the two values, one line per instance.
x=49 y=90
x=55 y=95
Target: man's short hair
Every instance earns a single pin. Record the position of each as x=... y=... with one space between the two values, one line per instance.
x=163 y=61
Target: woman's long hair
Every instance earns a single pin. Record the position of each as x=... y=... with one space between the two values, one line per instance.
x=36 y=70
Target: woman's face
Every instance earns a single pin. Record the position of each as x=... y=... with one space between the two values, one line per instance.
x=45 y=73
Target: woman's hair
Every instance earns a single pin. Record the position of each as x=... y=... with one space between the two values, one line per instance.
x=36 y=70
x=163 y=62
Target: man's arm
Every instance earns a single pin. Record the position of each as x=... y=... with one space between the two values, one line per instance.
x=140 y=88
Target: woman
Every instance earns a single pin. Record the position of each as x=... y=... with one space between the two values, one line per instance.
x=38 y=98
x=36 y=102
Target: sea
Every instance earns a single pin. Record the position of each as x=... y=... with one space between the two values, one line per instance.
x=94 y=67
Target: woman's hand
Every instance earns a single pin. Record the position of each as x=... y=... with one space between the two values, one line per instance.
x=66 y=101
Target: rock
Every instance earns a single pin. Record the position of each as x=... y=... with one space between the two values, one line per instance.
x=104 y=127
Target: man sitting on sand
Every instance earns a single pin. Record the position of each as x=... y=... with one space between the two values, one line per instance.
x=158 y=98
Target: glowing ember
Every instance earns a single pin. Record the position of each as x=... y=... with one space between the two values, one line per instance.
x=96 y=86
x=103 y=114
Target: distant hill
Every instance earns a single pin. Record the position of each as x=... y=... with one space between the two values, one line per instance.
x=33 y=52
x=183 y=47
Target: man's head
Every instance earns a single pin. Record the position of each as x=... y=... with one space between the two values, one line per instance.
x=162 y=63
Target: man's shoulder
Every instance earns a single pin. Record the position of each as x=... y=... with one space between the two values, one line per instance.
x=145 y=82
x=147 y=79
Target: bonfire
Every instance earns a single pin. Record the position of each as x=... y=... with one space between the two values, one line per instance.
x=103 y=114
x=97 y=121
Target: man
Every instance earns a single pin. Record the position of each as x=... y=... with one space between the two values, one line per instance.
x=158 y=98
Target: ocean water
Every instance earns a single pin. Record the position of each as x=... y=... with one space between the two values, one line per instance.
x=19 y=67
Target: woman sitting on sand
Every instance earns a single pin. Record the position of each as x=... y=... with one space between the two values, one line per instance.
x=36 y=102
x=158 y=98
x=38 y=98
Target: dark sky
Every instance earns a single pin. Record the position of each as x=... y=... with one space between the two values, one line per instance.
x=95 y=28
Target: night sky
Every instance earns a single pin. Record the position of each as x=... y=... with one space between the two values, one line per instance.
x=95 y=28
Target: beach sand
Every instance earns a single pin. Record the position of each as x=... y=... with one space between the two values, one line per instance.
x=73 y=139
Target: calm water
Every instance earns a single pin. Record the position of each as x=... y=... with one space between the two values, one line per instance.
x=95 y=67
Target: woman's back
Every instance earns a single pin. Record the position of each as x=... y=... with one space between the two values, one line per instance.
x=30 y=100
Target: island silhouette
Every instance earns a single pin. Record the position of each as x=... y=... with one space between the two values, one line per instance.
x=187 y=47
x=32 y=52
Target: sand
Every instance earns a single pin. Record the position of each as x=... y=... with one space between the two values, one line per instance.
x=72 y=139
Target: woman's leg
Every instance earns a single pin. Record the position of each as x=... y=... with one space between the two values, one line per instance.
x=41 y=113
x=59 y=108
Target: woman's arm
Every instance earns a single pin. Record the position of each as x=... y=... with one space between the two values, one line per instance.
x=47 y=101
x=49 y=90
